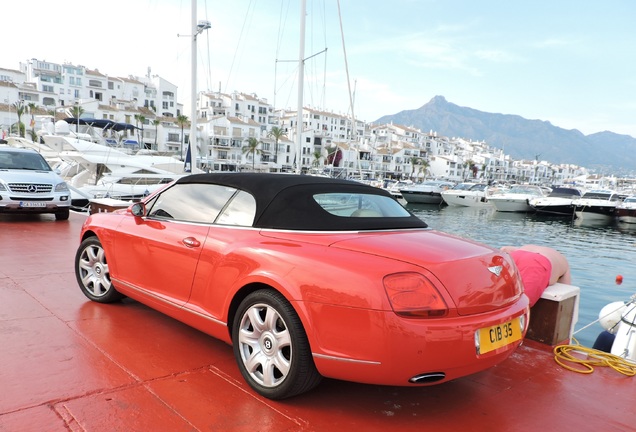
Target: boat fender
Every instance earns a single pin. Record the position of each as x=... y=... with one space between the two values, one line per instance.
x=604 y=341
x=625 y=343
x=610 y=315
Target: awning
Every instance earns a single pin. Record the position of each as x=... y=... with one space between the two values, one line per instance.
x=101 y=123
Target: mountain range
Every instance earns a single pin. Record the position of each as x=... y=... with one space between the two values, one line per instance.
x=602 y=152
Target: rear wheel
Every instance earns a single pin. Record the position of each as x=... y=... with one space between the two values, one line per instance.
x=271 y=346
x=91 y=271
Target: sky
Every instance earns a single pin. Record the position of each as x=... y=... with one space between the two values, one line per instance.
x=572 y=63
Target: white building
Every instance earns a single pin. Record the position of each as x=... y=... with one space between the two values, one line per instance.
x=226 y=122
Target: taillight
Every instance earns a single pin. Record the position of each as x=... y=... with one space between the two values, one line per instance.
x=412 y=295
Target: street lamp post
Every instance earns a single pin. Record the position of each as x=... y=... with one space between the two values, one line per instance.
x=197 y=28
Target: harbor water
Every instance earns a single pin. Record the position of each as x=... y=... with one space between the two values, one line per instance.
x=597 y=253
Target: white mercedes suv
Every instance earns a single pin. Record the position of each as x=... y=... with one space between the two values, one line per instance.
x=29 y=185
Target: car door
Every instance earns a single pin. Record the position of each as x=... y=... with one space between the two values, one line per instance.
x=158 y=254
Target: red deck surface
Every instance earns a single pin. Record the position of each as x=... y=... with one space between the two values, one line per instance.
x=67 y=363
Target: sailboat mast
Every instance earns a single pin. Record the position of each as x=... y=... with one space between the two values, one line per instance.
x=193 y=91
x=301 y=78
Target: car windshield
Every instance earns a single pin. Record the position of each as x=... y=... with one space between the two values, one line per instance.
x=23 y=161
x=360 y=205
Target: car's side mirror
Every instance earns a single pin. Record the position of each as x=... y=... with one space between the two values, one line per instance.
x=138 y=209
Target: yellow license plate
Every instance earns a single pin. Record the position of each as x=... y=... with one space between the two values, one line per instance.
x=500 y=335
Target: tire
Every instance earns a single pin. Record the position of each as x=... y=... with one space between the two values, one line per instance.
x=271 y=347
x=62 y=215
x=91 y=271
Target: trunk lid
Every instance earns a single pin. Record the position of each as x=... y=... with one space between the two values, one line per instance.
x=477 y=278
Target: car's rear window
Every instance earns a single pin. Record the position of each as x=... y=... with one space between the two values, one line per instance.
x=360 y=205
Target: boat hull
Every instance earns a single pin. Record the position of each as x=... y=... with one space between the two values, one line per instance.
x=421 y=197
x=556 y=210
x=626 y=215
x=466 y=199
x=595 y=212
x=553 y=206
x=511 y=204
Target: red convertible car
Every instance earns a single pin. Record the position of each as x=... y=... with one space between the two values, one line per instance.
x=309 y=277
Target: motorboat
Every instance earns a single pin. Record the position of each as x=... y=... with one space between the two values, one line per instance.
x=597 y=205
x=516 y=198
x=618 y=320
x=626 y=210
x=393 y=187
x=94 y=168
x=468 y=195
x=95 y=171
x=428 y=192
x=557 y=203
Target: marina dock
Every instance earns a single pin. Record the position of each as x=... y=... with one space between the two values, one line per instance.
x=69 y=364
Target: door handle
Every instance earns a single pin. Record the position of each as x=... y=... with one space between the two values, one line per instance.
x=191 y=242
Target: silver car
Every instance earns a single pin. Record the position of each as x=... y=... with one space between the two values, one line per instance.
x=29 y=185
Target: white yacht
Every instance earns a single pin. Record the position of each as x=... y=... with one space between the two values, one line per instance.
x=467 y=195
x=557 y=203
x=516 y=198
x=597 y=205
x=626 y=210
x=98 y=170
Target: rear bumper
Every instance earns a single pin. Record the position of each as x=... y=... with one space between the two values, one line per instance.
x=390 y=350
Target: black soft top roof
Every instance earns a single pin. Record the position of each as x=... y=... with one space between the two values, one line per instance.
x=285 y=201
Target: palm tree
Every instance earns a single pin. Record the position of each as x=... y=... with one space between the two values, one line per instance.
x=156 y=123
x=142 y=120
x=32 y=108
x=414 y=160
x=276 y=133
x=181 y=121
x=19 y=109
x=33 y=135
x=468 y=166
x=317 y=156
x=76 y=112
x=252 y=148
x=424 y=164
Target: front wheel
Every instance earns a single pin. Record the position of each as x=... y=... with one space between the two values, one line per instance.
x=62 y=214
x=92 y=274
x=271 y=346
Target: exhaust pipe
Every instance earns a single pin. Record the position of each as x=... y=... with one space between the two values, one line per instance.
x=428 y=378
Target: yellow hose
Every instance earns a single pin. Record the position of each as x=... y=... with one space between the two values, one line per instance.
x=563 y=355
